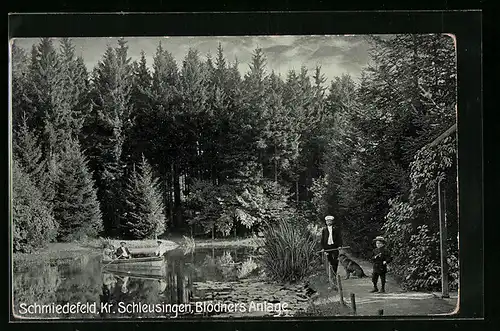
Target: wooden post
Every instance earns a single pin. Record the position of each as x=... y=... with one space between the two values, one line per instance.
x=353 y=303
x=339 y=286
x=329 y=273
x=443 y=238
x=327 y=265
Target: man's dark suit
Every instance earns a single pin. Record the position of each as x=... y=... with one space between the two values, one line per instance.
x=119 y=253
x=337 y=242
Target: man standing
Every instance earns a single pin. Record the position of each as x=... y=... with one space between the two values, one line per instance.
x=331 y=239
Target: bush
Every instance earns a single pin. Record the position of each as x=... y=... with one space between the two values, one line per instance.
x=33 y=223
x=289 y=252
x=423 y=271
x=416 y=256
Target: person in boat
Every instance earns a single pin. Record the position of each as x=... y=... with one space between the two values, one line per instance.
x=160 y=249
x=108 y=252
x=122 y=252
x=331 y=241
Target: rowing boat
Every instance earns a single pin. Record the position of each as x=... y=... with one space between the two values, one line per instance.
x=150 y=262
x=154 y=274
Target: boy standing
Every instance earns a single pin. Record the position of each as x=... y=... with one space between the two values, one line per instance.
x=380 y=260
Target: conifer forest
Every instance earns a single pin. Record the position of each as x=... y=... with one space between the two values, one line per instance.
x=141 y=149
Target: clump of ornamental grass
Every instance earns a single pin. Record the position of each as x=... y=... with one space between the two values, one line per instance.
x=289 y=252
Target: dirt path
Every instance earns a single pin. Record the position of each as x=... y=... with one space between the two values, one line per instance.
x=395 y=302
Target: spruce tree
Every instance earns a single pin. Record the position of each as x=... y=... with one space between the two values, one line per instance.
x=142 y=135
x=33 y=225
x=144 y=217
x=75 y=205
x=112 y=89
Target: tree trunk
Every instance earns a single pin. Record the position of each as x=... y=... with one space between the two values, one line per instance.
x=275 y=170
x=177 y=197
x=297 y=190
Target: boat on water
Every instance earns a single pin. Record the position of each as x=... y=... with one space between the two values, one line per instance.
x=155 y=274
x=152 y=262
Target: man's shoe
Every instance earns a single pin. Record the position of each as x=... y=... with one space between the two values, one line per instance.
x=374 y=290
x=382 y=290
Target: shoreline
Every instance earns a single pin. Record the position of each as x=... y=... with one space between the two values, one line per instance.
x=94 y=246
x=250 y=242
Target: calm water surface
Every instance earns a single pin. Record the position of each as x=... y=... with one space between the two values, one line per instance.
x=82 y=281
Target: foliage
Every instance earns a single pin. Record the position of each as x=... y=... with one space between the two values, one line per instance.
x=33 y=225
x=247 y=267
x=319 y=190
x=423 y=270
x=289 y=252
x=29 y=153
x=412 y=226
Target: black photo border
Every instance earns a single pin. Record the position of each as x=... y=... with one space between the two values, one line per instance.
x=464 y=25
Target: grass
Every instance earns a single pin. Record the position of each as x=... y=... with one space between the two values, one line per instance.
x=324 y=309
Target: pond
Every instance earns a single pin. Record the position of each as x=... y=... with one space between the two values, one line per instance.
x=202 y=282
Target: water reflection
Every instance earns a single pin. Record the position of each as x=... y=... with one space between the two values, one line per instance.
x=85 y=279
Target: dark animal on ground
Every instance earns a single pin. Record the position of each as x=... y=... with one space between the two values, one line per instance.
x=351 y=267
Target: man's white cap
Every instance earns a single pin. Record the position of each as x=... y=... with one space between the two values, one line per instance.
x=329 y=218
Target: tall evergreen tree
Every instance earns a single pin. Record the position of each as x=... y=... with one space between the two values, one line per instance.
x=167 y=144
x=112 y=108
x=75 y=205
x=145 y=218
x=253 y=118
x=144 y=130
x=281 y=134
x=49 y=95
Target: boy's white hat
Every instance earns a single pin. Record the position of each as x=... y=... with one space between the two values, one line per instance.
x=329 y=218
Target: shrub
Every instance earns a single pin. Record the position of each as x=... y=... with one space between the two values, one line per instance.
x=423 y=270
x=33 y=223
x=416 y=256
x=247 y=267
x=289 y=252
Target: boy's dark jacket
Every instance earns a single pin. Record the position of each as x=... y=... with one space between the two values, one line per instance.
x=379 y=256
x=337 y=238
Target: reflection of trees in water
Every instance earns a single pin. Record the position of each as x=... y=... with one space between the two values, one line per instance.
x=221 y=268
x=174 y=287
x=46 y=281
x=37 y=282
x=179 y=282
x=82 y=283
